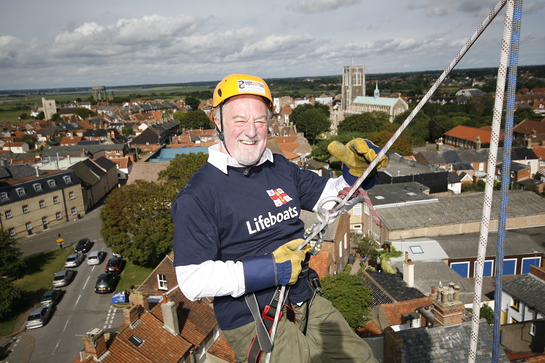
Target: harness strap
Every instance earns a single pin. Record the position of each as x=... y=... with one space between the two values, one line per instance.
x=262 y=332
x=265 y=322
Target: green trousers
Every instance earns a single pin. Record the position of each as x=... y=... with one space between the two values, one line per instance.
x=329 y=338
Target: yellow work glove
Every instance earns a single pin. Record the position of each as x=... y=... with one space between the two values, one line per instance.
x=282 y=267
x=356 y=155
x=288 y=253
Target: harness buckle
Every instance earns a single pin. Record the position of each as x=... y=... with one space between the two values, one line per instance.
x=272 y=310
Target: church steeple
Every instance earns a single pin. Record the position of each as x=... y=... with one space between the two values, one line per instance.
x=377 y=91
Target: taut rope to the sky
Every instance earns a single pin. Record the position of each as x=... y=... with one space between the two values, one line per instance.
x=491 y=169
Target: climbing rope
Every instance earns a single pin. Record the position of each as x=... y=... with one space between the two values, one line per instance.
x=506 y=172
x=489 y=187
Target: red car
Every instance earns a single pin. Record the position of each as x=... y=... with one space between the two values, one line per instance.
x=115 y=265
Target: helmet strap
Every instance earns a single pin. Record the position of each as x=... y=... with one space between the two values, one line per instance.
x=221 y=136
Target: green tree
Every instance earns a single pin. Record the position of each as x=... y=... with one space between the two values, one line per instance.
x=9 y=294
x=364 y=123
x=127 y=131
x=29 y=139
x=40 y=116
x=181 y=168
x=56 y=117
x=136 y=222
x=85 y=113
x=312 y=121
x=348 y=295
x=10 y=255
x=193 y=120
x=192 y=102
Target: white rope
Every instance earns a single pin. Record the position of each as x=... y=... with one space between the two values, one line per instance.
x=491 y=169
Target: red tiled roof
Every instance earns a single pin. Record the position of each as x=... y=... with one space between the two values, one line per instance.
x=528 y=126
x=369 y=329
x=395 y=311
x=470 y=133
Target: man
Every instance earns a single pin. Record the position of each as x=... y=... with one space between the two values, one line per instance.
x=238 y=233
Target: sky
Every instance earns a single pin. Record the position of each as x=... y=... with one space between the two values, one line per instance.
x=61 y=43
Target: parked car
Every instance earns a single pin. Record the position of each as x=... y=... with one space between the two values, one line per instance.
x=51 y=297
x=74 y=260
x=83 y=245
x=96 y=257
x=39 y=317
x=63 y=278
x=115 y=264
x=106 y=282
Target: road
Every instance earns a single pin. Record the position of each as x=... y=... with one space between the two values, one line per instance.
x=80 y=309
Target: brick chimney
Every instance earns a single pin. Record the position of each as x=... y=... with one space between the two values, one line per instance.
x=439 y=145
x=447 y=307
x=478 y=143
x=140 y=299
x=94 y=343
x=132 y=314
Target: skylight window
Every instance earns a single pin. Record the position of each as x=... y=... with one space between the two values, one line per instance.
x=135 y=340
x=416 y=250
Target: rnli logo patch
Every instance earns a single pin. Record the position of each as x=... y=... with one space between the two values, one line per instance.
x=278 y=197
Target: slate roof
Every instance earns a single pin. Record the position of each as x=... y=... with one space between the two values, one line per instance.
x=55 y=151
x=392 y=285
x=88 y=171
x=456 y=209
x=447 y=344
x=28 y=183
x=529 y=289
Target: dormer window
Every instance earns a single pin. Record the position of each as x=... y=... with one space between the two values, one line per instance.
x=37 y=187
x=4 y=197
x=21 y=192
x=51 y=183
x=67 y=179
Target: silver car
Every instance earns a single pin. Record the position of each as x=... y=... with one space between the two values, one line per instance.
x=96 y=257
x=74 y=260
x=63 y=278
x=39 y=317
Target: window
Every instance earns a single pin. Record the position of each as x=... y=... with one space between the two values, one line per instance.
x=26 y=209
x=56 y=199
x=8 y=214
x=37 y=187
x=51 y=183
x=74 y=211
x=416 y=250
x=4 y=197
x=356 y=211
x=515 y=304
x=72 y=195
x=58 y=215
x=533 y=329
x=162 y=282
x=28 y=226
x=12 y=232
x=45 y=220
x=42 y=203
x=67 y=179
x=21 y=192
x=357 y=227
x=481 y=166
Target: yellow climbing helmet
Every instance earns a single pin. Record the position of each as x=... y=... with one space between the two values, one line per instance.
x=241 y=84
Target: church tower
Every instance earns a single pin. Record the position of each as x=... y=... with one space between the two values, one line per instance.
x=353 y=85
